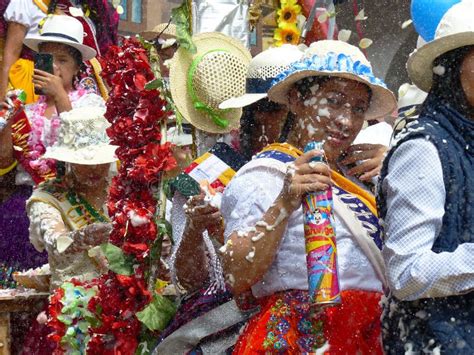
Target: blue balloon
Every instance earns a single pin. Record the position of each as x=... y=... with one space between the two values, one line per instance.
x=426 y=15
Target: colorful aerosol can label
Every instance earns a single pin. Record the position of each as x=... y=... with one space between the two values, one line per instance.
x=320 y=240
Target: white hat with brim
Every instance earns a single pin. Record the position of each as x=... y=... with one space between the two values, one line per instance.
x=61 y=29
x=455 y=30
x=220 y=69
x=99 y=154
x=82 y=138
x=336 y=59
x=263 y=69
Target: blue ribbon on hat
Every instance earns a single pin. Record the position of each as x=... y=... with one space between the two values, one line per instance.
x=332 y=63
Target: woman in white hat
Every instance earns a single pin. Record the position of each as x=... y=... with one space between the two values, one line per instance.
x=426 y=198
x=21 y=167
x=67 y=214
x=330 y=93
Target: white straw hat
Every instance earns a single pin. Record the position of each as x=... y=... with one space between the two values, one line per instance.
x=83 y=138
x=263 y=69
x=336 y=59
x=61 y=29
x=200 y=82
x=455 y=30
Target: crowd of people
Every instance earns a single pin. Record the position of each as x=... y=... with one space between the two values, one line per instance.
x=403 y=194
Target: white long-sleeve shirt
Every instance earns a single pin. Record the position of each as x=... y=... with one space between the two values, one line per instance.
x=416 y=194
x=247 y=198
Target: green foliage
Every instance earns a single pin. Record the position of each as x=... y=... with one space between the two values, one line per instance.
x=180 y=17
x=157 y=314
x=118 y=262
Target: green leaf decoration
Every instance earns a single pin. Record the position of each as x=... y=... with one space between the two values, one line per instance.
x=22 y=96
x=118 y=262
x=180 y=17
x=186 y=185
x=154 y=84
x=157 y=314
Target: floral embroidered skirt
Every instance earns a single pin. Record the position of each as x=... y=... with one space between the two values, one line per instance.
x=287 y=324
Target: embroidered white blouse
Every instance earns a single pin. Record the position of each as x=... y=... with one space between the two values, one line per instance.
x=250 y=194
x=47 y=228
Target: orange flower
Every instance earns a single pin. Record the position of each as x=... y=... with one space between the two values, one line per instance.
x=286 y=34
x=288 y=11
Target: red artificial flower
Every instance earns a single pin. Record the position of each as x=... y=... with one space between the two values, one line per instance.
x=155 y=159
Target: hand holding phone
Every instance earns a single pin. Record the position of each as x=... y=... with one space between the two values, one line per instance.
x=44 y=62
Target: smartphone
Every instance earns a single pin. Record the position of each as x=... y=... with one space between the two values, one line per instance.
x=44 y=62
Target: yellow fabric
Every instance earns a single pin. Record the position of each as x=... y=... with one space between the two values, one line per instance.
x=21 y=77
x=202 y=158
x=97 y=68
x=42 y=4
x=284 y=148
x=366 y=197
x=226 y=176
x=6 y=170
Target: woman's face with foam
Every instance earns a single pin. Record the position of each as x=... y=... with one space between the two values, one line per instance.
x=332 y=111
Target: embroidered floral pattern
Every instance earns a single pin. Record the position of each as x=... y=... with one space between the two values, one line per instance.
x=293 y=308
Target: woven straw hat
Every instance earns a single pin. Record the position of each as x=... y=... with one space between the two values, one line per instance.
x=263 y=69
x=62 y=29
x=455 y=30
x=336 y=59
x=167 y=31
x=82 y=138
x=200 y=82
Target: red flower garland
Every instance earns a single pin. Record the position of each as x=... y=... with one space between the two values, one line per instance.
x=135 y=115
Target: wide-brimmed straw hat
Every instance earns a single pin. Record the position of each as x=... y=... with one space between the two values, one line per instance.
x=455 y=30
x=200 y=82
x=263 y=69
x=82 y=138
x=341 y=60
x=62 y=29
x=166 y=32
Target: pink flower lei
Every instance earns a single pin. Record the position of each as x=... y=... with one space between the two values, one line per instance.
x=37 y=142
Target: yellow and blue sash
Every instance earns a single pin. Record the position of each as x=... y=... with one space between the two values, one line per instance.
x=360 y=201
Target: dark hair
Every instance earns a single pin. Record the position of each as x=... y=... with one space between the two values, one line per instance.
x=446 y=88
x=76 y=55
x=248 y=124
x=73 y=52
